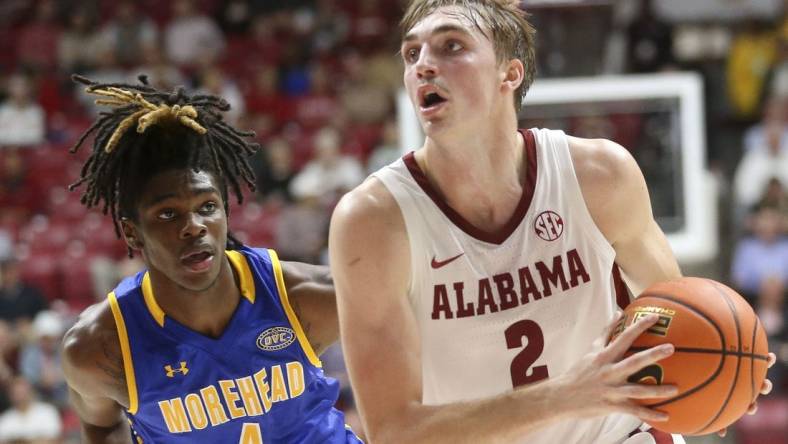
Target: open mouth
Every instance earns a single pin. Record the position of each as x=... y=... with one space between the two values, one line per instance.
x=431 y=99
x=198 y=262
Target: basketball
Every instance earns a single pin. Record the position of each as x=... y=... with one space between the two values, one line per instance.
x=721 y=353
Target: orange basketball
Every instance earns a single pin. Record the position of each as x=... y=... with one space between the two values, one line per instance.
x=721 y=353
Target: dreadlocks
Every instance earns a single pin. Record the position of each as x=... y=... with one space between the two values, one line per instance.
x=149 y=131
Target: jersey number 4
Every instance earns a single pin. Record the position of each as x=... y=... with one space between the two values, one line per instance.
x=250 y=434
x=521 y=363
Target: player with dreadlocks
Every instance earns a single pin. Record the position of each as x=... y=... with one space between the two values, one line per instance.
x=214 y=341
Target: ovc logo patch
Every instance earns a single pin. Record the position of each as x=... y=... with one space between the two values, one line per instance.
x=276 y=338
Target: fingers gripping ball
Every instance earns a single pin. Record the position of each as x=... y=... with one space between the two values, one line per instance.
x=721 y=353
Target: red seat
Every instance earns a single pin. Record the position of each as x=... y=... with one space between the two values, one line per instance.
x=77 y=286
x=41 y=271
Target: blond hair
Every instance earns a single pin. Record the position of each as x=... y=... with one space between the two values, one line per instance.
x=502 y=21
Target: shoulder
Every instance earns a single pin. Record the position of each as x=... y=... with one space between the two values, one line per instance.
x=367 y=226
x=596 y=159
x=90 y=347
x=368 y=205
x=611 y=183
x=93 y=324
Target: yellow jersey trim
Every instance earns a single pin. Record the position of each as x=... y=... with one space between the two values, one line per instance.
x=280 y=285
x=237 y=261
x=128 y=365
x=150 y=300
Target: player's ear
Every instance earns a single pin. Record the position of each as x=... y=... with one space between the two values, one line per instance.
x=513 y=74
x=133 y=240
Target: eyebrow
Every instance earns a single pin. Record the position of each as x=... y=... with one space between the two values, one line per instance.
x=442 y=29
x=197 y=192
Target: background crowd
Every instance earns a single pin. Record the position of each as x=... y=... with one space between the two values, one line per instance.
x=317 y=81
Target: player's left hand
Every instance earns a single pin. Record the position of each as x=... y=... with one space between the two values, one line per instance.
x=766 y=388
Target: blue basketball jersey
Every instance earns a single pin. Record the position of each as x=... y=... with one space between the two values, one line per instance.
x=260 y=382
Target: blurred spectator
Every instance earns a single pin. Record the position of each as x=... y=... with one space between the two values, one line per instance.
x=760 y=272
x=294 y=71
x=752 y=54
x=6 y=244
x=80 y=43
x=18 y=300
x=364 y=101
x=22 y=120
x=650 y=41
x=387 y=150
x=319 y=104
x=331 y=27
x=128 y=33
x=301 y=231
x=38 y=40
x=776 y=196
x=368 y=25
x=762 y=256
x=191 y=37
x=263 y=42
x=775 y=119
x=771 y=311
x=266 y=99
x=779 y=75
x=384 y=70
x=8 y=350
x=107 y=70
x=161 y=73
x=330 y=174
x=759 y=165
x=274 y=171
x=20 y=191
x=40 y=361
x=28 y=421
x=214 y=81
x=235 y=16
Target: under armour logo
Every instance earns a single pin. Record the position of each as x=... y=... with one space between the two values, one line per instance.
x=171 y=371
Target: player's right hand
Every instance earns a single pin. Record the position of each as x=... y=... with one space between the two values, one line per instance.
x=597 y=384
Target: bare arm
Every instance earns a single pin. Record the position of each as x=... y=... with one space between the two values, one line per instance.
x=621 y=208
x=617 y=198
x=371 y=264
x=93 y=366
x=310 y=289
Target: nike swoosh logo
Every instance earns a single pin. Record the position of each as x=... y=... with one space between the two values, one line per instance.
x=438 y=264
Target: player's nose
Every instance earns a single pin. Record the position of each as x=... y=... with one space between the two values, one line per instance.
x=194 y=226
x=426 y=65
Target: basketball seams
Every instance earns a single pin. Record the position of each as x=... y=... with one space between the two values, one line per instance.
x=732 y=308
x=709 y=351
x=724 y=347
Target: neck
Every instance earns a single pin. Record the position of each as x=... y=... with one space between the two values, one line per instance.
x=205 y=311
x=480 y=176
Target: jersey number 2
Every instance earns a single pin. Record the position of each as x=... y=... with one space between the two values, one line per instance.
x=531 y=331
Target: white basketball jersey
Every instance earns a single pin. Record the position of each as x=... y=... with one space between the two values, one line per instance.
x=504 y=309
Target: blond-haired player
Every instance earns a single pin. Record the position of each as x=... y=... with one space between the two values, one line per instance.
x=474 y=275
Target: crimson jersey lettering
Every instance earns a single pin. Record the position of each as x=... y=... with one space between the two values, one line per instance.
x=524 y=302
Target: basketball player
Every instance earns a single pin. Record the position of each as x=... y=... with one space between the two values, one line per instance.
x=474 y=274
x=215 y=342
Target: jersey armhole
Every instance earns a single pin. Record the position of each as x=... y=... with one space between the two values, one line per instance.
x=125 y=349
x=590 y=227
x=404 y=204
x=294 y=322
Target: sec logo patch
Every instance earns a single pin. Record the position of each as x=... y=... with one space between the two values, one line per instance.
x=275 y=338
x=549 y=225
